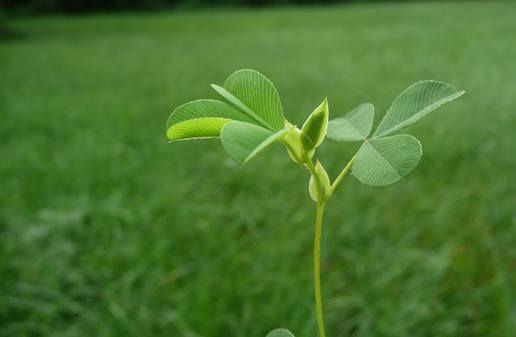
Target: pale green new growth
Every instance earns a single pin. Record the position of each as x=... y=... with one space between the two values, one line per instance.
x=197 y=129
x=316 y=125
x=202 y=119
x=300 y=147
x=253 y=120
x=319 y=185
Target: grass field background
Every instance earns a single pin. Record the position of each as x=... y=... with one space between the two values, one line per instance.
x=108 y=230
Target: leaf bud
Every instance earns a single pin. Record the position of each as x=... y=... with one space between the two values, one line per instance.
x=316 y=125
x=319 y=186
x=300 y=147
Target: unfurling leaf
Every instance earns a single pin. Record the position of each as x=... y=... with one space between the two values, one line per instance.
x=243 y=141
x=356 y=125
x=415 y=103
x=241 y=106
x=280 y=333
x=383 y=161
x=316 y=125
x=256 y=93
x=253 y=120
x=202 y=119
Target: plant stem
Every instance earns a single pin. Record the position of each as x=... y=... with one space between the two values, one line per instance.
x=311 y=167
x=317 y=267
x=341 y=175
x=317 y=246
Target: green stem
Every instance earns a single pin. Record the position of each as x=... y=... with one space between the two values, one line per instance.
x=317 y=267
x=311 y=167
x=341 y=175
x=317 y=246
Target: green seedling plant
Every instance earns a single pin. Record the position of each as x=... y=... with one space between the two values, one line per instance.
x=252 y=119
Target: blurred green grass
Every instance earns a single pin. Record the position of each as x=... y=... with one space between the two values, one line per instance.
x=108 y=230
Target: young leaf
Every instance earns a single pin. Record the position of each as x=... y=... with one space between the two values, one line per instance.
x=383 y=161
x=238 y=103
x=197 y=129
x=257 y=93
x=316 y=125
x=243 y=141
x=202 y=119
x=414 y=103
x=280 y=333
x=356 y=125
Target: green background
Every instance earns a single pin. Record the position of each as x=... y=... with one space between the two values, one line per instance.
x=108 y=230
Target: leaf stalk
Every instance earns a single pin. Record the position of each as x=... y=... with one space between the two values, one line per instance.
x=342 y=174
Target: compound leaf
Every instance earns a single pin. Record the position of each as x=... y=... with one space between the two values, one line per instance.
x=243 y=141
x=280 y=333
x=202 y=119
x=258 y=94
x=356 y=125
x=414 y=103
x=383 y=161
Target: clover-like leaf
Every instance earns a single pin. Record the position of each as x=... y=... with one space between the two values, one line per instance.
x=243 y=141
x=257 y=94
x=241 y=106
x=316 y=125
x=280 y=333
x=203 y=119
x=356 y=125
x=253 y=120
x=383 y=161
x=415 y=103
